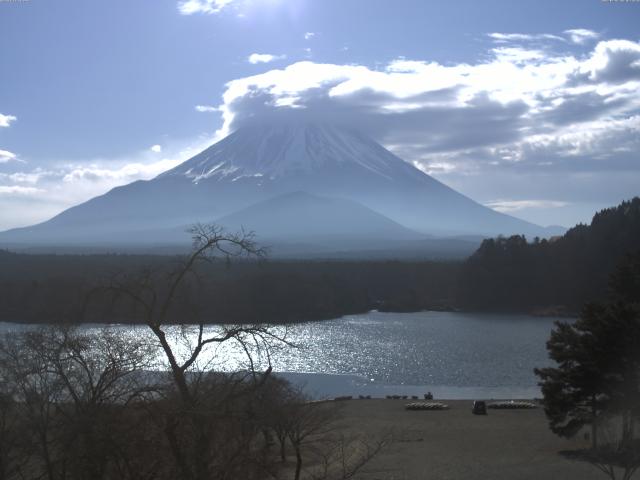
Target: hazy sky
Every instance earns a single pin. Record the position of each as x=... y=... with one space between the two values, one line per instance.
x=530 y=107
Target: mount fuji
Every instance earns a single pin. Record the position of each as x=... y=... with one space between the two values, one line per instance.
x=304 y=183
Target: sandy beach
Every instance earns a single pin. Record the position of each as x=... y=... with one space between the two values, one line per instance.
x=455 y=444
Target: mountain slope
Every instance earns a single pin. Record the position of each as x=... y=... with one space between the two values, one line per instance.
x=300 y=216
x=267 y=153
x=327 y=160
x=260 y=162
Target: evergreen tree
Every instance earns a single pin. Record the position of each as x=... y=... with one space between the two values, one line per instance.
x=573 y=392
x=625 y=281
x=598 y=359
x=556 y=275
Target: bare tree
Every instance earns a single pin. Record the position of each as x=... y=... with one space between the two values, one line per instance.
x=346 y=455
x=12 y=441
x=617 y=455
x=36 y=392
x=322 y=448
x=308 y=423
x=193 y=419
x=67 y=391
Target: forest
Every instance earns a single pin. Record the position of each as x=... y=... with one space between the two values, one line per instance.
x=506 y=274
x=551 y=276
x=53 y=288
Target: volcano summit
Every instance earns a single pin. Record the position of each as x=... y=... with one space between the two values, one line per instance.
x=304 y=184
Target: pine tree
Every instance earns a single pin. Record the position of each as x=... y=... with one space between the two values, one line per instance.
x=598 y=359
x=574 y=394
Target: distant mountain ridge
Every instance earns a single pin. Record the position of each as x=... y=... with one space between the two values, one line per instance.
x=259 y=163
x=300 y=215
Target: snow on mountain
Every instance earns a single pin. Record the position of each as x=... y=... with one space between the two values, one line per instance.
x=261 y=162
x=271 y=152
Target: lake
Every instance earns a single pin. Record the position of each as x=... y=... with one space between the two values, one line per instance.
x=453 y=355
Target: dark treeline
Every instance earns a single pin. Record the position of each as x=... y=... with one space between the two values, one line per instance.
x=555 y=276
x=595 y=381
x=551 y=276
x=53 y=288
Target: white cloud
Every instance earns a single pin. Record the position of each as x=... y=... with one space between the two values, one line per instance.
x=581 y=35
x=612 y=61
x=517 y=54
x=523 y=37
x=189 y=7
x=264 y=58
x=309 y=35
x=29 y=178
x=509 y=206
x=5 y=120
x=515 y=94
x=206 y=108
x=6 y=156
x=435 y=167
x=521 y=110
x=40 y=194
x=120 y=175
x=32 y=196
x=156 y=148
x=10 y=190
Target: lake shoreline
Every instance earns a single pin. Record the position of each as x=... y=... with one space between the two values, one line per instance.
x=379 y=354
x=324 y=386
x=551 y=312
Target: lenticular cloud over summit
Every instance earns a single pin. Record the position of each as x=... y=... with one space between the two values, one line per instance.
x=524 y=105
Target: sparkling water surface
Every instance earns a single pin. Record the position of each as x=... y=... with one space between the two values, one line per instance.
x=464 y=354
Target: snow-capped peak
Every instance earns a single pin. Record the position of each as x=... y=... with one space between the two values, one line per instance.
x=275 y=151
